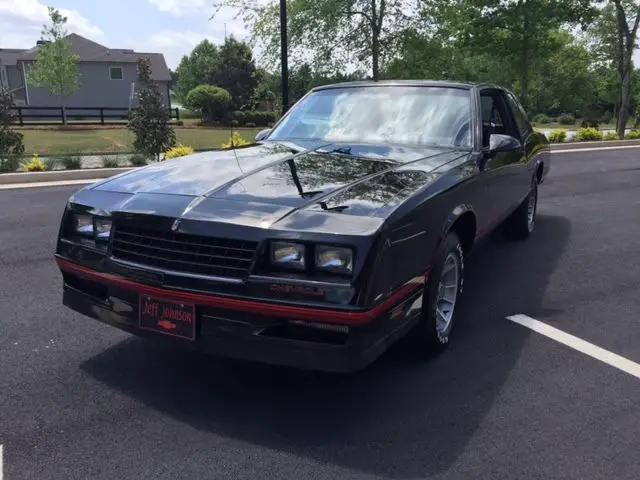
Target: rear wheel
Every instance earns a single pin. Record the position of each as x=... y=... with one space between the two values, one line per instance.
x=521 y=223
x=441 y=294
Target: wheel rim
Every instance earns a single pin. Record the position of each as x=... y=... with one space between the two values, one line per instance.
x=531 y=208
x=447 y=292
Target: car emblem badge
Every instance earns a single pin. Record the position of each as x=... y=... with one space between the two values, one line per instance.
x=176 y=224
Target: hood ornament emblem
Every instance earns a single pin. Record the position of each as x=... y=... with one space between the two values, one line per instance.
x=175 y=225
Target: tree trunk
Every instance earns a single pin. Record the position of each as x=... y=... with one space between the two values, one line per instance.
x=375 y=42
x=625 y=99
x=526 y=57
x=64 y=114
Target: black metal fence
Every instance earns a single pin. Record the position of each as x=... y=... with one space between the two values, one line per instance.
x=76 y=115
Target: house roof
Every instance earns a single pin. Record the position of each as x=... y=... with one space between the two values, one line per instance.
x=90 y=51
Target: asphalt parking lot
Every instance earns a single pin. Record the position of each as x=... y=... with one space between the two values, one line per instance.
x=80 y=400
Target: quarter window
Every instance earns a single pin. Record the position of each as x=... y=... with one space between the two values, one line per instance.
x=519 y=116
x=115 y=73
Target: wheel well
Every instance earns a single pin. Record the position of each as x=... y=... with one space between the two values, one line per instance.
x=465 y=228
x=539 y=171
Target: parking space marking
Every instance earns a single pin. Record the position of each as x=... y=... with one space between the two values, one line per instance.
x=578 y=344
x=1 y=463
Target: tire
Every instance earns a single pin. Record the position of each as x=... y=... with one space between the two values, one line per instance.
x=521 y=223
x=431 y=335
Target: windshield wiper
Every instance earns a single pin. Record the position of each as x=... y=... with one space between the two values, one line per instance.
x=339 y=208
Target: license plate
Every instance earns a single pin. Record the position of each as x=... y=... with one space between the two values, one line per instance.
x=166 y=317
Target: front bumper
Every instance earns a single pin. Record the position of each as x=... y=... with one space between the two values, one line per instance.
x=262 y=335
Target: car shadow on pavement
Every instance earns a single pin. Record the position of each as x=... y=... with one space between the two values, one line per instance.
x=398 y=418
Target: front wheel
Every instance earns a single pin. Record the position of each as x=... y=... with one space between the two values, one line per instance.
x=440 y=297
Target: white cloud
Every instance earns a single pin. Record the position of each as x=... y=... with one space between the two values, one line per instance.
x=21 y=23
x=181 y=7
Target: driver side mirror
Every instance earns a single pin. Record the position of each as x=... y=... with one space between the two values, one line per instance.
x=262 y=134
x=503 y=143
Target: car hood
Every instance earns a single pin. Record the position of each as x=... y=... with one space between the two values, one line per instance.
x=265 y=183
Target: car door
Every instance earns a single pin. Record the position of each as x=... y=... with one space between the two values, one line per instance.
x=502 y=170
x=530 y=144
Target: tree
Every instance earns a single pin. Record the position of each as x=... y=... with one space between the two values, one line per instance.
x=150 y=120
x=11 y=142
x=237 y=72
x=56 y=66
x=519 y=32
x=212 y=101
x=198 y=68
x=331 y=33
x=627 y=19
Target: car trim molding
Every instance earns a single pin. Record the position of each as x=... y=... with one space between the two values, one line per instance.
x=347 y=317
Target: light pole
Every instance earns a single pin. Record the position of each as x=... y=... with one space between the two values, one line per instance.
x=284 y=57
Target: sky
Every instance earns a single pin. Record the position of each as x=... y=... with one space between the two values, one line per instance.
x=171 y=27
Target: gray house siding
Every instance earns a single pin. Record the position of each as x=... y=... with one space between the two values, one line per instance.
x=97 y=89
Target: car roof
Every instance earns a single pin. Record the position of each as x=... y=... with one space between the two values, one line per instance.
x=405 y=83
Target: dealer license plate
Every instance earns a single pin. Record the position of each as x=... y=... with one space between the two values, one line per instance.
x=166 y=317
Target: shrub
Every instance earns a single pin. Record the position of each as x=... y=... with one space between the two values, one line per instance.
x=541 y=118
x=110 y=162
x=71 y=162
x=611 y=136
x=187 y=113
x=178 y=151
x=212 y=101
x=11 y=142
x=9 y=163
x=178 y=123
x=235 y=141
x=138 y=160
x=558 y=136
x=35 y=164
x=566 y=120
x=250 y=125
x=260 y=119
x=633 y=135
x=587 y=134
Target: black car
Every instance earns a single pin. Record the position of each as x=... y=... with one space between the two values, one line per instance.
x=339 y=231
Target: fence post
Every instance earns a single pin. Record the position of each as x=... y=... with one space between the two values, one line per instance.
x=101 y=116
x=62 y=115
x=20 y=119
x=177 y=113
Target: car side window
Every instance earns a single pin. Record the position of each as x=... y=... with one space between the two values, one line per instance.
x=520 y=117
x=495 y=116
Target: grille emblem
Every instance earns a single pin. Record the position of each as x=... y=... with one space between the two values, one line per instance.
x=175 y=225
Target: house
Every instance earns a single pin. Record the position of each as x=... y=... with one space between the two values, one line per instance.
x=107 y=76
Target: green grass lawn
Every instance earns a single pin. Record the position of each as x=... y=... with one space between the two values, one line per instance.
x=119 y=140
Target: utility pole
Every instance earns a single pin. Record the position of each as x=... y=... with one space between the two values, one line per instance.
x=284 y=57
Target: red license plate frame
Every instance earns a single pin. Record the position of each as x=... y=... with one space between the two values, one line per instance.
x=167 y=317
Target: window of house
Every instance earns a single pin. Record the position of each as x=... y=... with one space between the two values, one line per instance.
x=115 y=73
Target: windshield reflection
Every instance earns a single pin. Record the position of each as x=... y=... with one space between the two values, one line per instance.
x=409 y=115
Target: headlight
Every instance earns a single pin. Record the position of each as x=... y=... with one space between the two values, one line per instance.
x=288 y=255
x=85 y=225
x=334 y=259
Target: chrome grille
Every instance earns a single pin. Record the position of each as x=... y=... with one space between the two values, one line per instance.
x=179 y=252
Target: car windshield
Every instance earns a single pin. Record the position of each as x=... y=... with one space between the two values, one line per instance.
x=406 y=115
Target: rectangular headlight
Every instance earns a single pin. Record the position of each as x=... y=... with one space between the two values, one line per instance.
x=288 y=255
x=82 y=224
x=334 y=259
x=103 y=229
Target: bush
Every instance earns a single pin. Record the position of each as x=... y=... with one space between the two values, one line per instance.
x=611 y=136
x=541 y=118
x=235 y=141
x=35 y=164
x=178 y=123
x=633 y=135
x=558 y=136
x=250 y=125
x=178 y=151
x=566 y=120
x=259 y=119
x=71 y=162
x=212 y=101
x=187 y=113
x=588 y=134
x=138 y=160
x=110 y=162
x=9 y=163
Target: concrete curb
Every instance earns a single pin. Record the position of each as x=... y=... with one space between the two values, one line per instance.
x=598 y=144
x=61 y=175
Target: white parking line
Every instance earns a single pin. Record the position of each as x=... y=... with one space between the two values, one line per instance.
x=1 y=463
x=578 y=344
x=61 y=183
x=593 y=149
